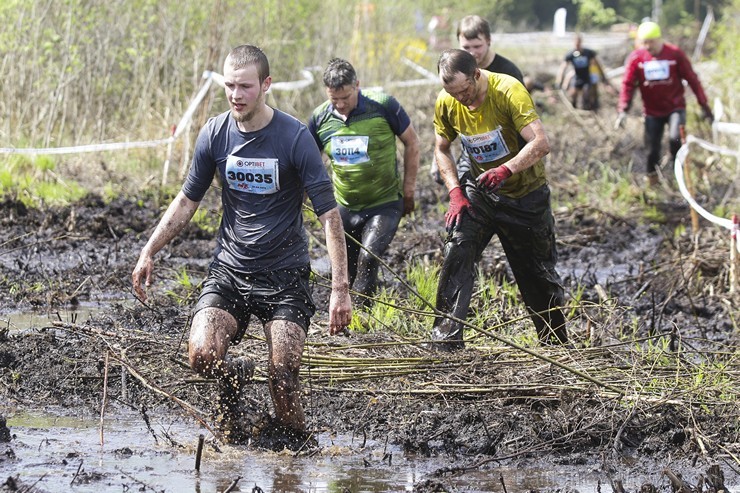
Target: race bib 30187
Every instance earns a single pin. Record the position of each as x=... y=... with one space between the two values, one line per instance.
x=486 y=147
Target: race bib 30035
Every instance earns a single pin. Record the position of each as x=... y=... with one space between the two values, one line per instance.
x=252 y=175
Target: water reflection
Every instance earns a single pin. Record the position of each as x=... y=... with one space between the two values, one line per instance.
x=78 y=314
x=59 y=450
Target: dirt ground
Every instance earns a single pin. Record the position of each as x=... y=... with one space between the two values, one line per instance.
x=597 y=404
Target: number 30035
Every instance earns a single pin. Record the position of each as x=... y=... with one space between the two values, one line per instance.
x=249 y=177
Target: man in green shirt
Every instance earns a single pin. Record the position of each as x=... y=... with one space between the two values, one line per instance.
x=357 y=130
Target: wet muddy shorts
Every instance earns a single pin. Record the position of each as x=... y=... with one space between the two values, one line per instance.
x=275 y=295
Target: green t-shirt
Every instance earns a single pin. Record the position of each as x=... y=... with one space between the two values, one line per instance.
x=490 y=132
x=362 y=149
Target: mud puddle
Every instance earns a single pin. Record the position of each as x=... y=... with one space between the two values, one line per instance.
x=80 y=313
x=59 y=453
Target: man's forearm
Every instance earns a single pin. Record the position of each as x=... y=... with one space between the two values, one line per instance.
x=337 y=247
x=528 y=156
x=175 y=219
x=410 y=169
x=447 y=169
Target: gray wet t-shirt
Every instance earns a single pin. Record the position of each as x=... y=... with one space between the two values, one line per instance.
x=263 y=177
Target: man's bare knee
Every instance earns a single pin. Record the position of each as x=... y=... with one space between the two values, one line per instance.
x=202 y=360
x=210 y=333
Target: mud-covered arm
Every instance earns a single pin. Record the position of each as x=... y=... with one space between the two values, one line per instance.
x=411 y=154
x=686 y=72
x=602 y=73
x=629 y=83
x=537 y=147
x=561 y=74
x=177 y=216
x=446 y=162
x=340 y=304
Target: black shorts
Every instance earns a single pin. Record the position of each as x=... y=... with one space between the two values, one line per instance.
x=274 y=295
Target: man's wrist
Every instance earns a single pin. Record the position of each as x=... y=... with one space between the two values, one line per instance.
x=340 y=286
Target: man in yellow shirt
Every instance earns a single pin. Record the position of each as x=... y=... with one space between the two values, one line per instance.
x=505 y=193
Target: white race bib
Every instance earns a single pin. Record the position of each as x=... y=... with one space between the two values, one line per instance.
x=253 y=175
x=580 y=61
x=486 y=147
x=656 y=70
x=349 y=149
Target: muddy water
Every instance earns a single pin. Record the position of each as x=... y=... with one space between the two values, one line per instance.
x=64 y=453
x=79 y=314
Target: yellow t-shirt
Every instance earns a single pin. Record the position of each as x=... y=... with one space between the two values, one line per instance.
x=490 y=133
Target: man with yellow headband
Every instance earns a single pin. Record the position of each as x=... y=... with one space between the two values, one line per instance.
x=659 y=69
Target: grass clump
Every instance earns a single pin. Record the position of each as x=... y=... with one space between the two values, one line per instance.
x=184 y=289
x=33 y=181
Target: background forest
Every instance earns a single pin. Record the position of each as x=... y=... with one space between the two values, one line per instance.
x=85 y=71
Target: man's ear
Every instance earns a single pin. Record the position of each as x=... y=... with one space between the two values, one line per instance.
x=267 y=83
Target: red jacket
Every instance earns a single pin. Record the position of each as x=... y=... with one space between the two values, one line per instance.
x=660 y=81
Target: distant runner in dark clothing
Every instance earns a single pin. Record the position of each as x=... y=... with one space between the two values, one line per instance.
x=587 y=71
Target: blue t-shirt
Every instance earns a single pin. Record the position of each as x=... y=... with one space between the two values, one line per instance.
x=263 y=175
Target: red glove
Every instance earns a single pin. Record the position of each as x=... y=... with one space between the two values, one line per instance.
x=459 y=203
x=494 y=177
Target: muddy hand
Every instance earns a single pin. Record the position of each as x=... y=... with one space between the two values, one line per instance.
x=619 y=122
x=142 y=274
x=340 y=311
x=459 y=204
x=408 y=205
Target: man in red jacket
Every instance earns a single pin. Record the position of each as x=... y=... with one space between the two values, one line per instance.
x=658 y=69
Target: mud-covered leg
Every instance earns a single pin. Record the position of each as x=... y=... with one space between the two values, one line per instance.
x=210 y=333
x=376 y=236
x=676 y=120
x=285 y=346
x=653 y=142
x=455 y=289
x=530 y=246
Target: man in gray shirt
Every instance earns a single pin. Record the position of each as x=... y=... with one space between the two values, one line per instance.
x=266 y=161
